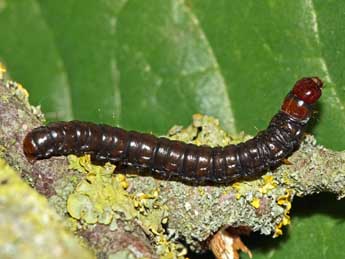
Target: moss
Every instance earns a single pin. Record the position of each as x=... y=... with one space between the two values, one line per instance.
x=28 y=226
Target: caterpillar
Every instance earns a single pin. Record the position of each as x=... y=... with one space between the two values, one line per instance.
x=267 y=150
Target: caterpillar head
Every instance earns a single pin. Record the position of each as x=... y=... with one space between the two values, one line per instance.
x=308 y=89
x=298 y=103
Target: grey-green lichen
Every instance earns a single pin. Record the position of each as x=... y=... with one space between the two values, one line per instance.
x=123 y=254
x=29 y=228
x=104 y=198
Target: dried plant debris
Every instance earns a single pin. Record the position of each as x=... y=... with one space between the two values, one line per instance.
x=226 y=243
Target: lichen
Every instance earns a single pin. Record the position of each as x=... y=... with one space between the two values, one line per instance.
x=2 y=71
x=257 y=204
x=32 y=229
x=99 y=198
x=103 y=198
x=285 y=201
x=123 y=254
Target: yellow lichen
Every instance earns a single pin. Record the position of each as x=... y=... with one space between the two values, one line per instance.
x=242 y=188
x=201 y=191
x=255 y=203
x=102 y=195
x=237 y=187
x=29 y=222
x=122 y=179
x=263 y=185
x=145 y=201
x=211 y=133
x=152 y=214
x=269 y=184
x=21 y=88
x=168 y=250
x=2 y=71
x=287 y=179
x=284 y=201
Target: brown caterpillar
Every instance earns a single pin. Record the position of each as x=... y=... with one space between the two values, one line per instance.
x=265 y=151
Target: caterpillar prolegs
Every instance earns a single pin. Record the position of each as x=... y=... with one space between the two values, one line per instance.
x=266 y=150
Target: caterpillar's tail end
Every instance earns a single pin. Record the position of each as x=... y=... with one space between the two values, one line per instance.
x=30 y=149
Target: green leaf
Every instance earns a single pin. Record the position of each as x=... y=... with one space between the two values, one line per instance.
x=147 y=65
x=316 y=232
x=29 y=51
x=263 y=47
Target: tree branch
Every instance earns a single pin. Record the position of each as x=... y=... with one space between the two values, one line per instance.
x=189 y=212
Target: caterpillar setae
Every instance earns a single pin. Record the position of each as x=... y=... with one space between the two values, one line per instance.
x=265 y=151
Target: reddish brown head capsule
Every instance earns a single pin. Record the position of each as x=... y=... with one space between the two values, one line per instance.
x=308 y=89
x=304 y=94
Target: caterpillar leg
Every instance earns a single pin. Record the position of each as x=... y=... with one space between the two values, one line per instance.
x=286 y=162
